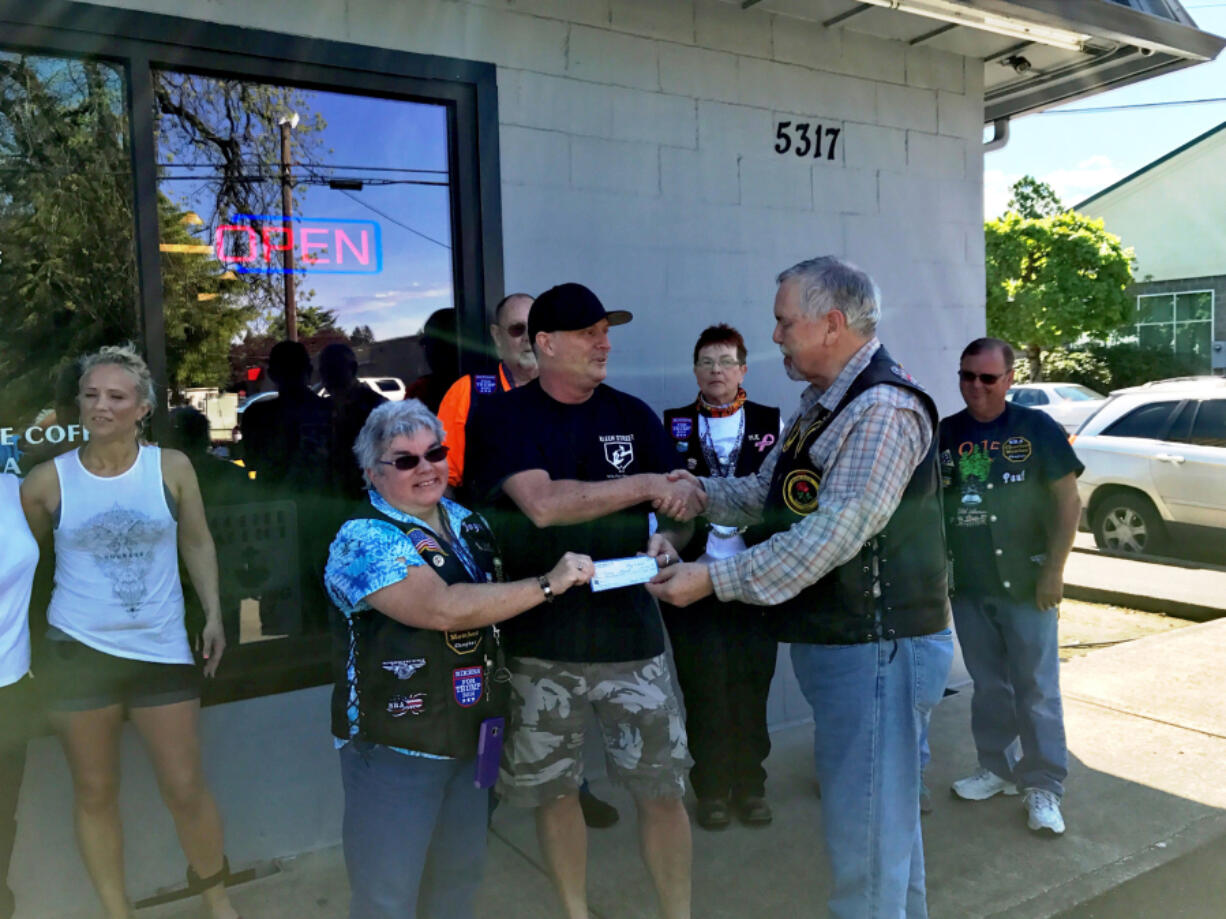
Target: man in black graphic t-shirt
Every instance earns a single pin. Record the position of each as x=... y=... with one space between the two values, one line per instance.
x=568 y=461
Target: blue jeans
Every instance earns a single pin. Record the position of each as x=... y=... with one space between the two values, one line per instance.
x=870 y=702
x=413 y=834
x=1017 y=719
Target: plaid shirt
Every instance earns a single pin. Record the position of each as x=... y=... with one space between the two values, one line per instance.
x=868 y=454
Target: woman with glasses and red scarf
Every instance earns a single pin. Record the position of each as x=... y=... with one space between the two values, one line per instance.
x=724 y=652
x=420 y=682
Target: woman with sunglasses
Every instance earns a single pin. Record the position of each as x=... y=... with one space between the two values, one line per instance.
x=420 y=684
x=121 y=513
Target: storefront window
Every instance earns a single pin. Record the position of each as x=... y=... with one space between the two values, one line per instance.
x=67 y=263
x=294 y=214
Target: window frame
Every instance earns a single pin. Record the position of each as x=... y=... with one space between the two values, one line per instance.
x=1174 y=323
x=138 y=43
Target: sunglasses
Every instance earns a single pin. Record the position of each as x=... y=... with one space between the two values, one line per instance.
x=987 y=379
x=516 y=329
x=406 y=461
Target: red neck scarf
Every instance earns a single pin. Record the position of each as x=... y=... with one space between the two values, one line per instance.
x=721 y=411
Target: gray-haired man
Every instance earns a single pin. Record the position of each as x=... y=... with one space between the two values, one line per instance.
x=846 y=544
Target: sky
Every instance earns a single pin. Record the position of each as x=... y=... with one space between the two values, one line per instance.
x=365 y=137
x=1080 y=154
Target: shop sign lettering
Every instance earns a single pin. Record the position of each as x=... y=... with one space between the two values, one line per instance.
x=251 y=244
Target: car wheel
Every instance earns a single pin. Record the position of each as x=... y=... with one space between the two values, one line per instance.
x=1126 y=522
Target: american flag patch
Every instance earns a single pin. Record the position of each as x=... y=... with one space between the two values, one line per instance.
x=423 y=540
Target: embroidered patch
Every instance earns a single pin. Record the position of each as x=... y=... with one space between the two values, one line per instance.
x=412 y=704
x=476 y=535
x=485 y=383
x=682 y=428
x=897 y=370
x=405 y=668
x=468 y=684
x=463 y=642
x=423 y=541
x=1016 y=449
x=800 y=489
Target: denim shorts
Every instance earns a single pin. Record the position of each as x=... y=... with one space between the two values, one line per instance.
x=638 y=713
x=78 y=678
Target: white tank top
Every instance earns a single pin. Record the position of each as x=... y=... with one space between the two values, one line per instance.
x=17 y=563
x=117 y=562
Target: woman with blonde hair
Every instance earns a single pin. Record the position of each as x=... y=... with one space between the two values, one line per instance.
x=121 y=512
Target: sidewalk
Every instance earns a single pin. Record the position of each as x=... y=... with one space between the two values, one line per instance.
x=1189 y=590
x=1147 y=731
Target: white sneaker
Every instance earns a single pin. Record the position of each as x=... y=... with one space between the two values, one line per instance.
x=1043 y=811
x=981 y=785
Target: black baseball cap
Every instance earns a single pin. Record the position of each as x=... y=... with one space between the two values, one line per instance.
x=568 y=308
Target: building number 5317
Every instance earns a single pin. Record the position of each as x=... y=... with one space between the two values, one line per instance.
x=805 y=139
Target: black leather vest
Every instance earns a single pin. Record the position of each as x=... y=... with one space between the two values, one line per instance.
x=415 y=688
x=761 y=432
x=908 y=555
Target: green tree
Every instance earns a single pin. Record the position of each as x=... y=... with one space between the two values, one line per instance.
x=1033 y=199
x=312 y=321
x=1053 y=281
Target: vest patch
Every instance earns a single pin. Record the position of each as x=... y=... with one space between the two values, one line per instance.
x=485 y=384
x=682 y=428
x=412 y=704
x=468 y=684
x=800 y=491
x=1016 y=449
x=423 y=541
x=465 y=642
x=404 y=669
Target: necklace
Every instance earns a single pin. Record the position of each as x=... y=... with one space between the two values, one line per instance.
x=711 y=455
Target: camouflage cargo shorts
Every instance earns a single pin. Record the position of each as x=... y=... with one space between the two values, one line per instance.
x=639 y=717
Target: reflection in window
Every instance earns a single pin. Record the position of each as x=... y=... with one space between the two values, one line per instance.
x=67 y=268
x=313 y=216
x=1181 y=322
x=1149 y=421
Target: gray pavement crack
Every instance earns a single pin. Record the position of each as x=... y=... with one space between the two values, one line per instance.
x=1121 y=710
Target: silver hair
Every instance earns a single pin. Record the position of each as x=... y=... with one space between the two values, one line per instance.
x=829 y=283
x=126 y=357
x=387 y=422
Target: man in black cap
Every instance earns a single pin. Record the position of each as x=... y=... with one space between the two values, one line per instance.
x=568 y=461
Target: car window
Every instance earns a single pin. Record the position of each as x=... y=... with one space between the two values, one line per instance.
x=388 y=385
x=1209 y=428
x=1150 y=421
x=1077 y=393
x=1030 y=397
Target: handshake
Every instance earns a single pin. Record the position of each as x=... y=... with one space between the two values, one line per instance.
x=678 y=495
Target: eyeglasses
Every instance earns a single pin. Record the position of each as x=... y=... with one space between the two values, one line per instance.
x=987 y=379
x=516 y=329
x=406 y=461
x=724 y=363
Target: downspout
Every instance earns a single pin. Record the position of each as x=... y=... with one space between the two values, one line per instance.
x=1000 y=135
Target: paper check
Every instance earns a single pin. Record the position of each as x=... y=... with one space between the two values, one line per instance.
x=622 y=572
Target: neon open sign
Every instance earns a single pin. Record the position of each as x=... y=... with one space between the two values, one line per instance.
x=252 y=244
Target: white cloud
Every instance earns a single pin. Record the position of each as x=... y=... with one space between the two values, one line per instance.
x=382 y=300
x=1071 y=184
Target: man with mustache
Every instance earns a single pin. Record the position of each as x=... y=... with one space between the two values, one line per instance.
x=847 y=548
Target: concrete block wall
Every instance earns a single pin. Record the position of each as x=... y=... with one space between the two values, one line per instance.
x=637 y=156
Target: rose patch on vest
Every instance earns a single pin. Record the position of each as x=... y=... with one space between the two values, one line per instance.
x=800 y=491
x=468 y=683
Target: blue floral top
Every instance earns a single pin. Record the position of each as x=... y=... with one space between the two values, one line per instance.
x=368 y=555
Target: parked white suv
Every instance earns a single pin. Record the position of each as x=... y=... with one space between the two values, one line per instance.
x=1155 y=458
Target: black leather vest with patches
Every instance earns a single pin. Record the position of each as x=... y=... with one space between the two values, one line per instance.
x=761 y=432
x=416 y=688
x=896 y=585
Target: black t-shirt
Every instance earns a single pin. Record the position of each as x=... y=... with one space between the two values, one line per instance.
x=609 y=436
x=1014 y=457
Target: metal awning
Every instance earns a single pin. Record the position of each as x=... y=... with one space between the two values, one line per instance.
x=1035 y=53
